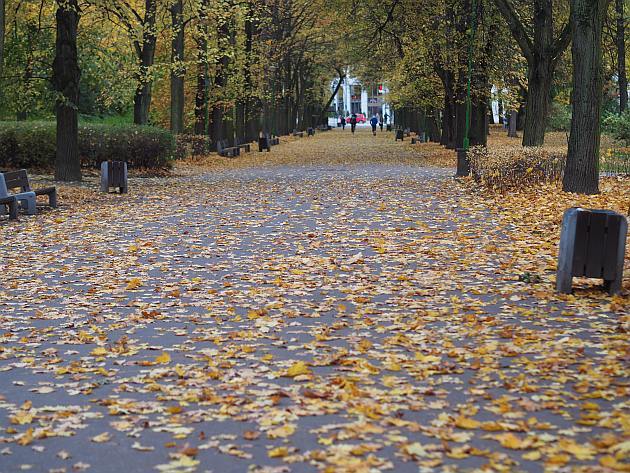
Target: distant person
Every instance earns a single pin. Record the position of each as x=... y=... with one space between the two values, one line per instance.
x=353 y=122
x=374 y=122
x=380 y=123
x=386 y=118
x=343 y=123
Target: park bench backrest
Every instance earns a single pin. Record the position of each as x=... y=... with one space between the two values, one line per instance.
x=116 y=174
x=596 y=251
x=15 y=179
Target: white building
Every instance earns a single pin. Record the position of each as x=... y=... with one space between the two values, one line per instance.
x=353 y=97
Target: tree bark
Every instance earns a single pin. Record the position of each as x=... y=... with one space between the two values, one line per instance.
x=201 y=96
x=220 y=80
x=66 y=76
x=581 y=174
x=433 y=128
x=2 y=27
x=539 y=78
x=178 y=70
x=145 y=53
x=621 y=56
x=542 y=53
x=448 y=112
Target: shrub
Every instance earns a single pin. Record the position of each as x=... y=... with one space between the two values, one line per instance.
x=559 y=118
x=619 y=126
x=32 y=145
x=191 y=146
x=505 y=168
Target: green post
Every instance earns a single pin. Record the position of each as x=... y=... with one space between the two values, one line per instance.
x=473 y=33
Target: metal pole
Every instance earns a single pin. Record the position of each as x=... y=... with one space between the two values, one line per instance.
x=473 y=33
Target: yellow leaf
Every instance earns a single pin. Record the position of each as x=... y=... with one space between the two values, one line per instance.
x=467 y=423
x=278 y=452
x=26 y=438
x=532 y=456
x=102 y=438
x=163 y=359
x=22 y=417
x=281 y=432
x=509 y=440
x=99 y=351
x=611 y=462
x=134 y=283
x=297 y=369
x=415 y=449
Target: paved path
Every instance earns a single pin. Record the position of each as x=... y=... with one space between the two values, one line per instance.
x=332 y=307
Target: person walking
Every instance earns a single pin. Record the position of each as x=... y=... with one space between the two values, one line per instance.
x=353 y=122
x=380 y=123
x=343 y=123
x=386 y=118
x=374 y=122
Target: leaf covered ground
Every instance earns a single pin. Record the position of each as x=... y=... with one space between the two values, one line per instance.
x=341 y=304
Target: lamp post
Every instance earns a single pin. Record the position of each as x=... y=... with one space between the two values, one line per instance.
x=273 y=68
x=463 y=168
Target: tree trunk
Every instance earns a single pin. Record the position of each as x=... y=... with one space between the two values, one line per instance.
x=66 y=76
x=512 y=124
x=621 y=56
x=178 y=70
x=581 y=174
x=2 y=24
x=220 y=80
x=540 y=76
x=433 y=129
x=145 y=53
x=542 y=52
x=342 y=76
x=201 y=96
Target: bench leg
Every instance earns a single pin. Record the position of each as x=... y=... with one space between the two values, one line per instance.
x=52 y=199
x=31 y=205
x=13 y=210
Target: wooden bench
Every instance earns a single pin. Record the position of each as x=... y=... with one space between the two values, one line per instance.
x=298 y=133
x=592 y=245
x=19 y=180
x=114 y=174
x=240 y=143
x=228 y=151
x=11 y=204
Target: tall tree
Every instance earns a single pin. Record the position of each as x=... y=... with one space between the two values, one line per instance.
x=621 y=56
x=145 y=50
x=66 y=75
x=201 y=96
x=2 y=24
x=581 y=174
x=221 y=74
x=178 y=70
x=542 y=52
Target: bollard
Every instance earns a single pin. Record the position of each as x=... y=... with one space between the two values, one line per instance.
x=114 y=174
x=592 y=244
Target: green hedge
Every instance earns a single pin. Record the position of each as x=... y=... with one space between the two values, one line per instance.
x=619 y=126
x=32 y=145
